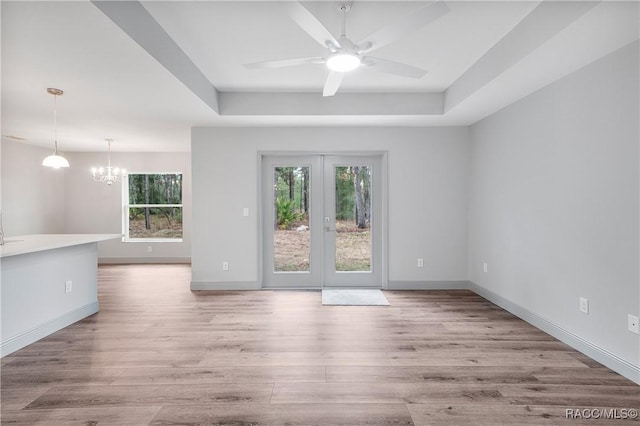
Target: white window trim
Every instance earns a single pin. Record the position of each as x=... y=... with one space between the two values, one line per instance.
x=126 y=206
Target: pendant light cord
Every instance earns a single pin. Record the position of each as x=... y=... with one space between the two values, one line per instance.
x=55 y=124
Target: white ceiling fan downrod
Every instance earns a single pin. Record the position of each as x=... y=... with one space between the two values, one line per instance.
x=344 y=58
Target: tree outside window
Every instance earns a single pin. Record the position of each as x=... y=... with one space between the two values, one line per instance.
x=153 y=209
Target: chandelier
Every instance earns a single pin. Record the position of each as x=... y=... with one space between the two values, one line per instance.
x=107 y=174
x=55 y=160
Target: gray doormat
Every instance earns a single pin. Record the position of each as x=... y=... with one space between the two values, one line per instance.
x=359 y=297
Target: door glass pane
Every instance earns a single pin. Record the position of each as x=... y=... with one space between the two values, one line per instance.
x=353 y=218
x=291 y=236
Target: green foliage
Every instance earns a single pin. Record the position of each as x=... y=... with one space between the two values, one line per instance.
x=155 y=189
x=169 y=214
x=161 y=225
x=345 y=199
x=149 y=195
x=286 y=214
x=353 y=201
x=293 y=183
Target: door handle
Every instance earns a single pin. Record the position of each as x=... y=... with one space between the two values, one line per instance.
x=329 y=229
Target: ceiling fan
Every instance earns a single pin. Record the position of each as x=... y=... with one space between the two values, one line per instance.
x=344 y=55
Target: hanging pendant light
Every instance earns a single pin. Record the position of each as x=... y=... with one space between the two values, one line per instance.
x=55 y=160
x=112 y=173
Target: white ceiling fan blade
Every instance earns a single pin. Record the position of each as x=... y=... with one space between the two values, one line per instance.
x=405 y=25
x=391 y=67
x=281 y=63
x=309 y=23
x=333 y=83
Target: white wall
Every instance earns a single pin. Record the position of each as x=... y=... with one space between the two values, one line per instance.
x=427 y=187
x=93 y=207
x=553 y=204
x=32 y=195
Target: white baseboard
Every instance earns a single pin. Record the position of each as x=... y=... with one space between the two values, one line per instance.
x=38 y=332
x=141 y=260
x=392 y=285
x=204 y=285
x=428 y=285
x=604 y=357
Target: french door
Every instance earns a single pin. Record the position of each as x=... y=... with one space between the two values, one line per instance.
x=322 y=221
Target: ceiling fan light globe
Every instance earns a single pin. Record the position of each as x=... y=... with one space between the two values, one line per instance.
x=343 y=62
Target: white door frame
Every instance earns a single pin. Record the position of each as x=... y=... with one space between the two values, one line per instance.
x=332 y=278
x=302 y=279
x=317 y=276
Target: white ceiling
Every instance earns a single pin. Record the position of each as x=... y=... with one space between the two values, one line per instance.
x=249 y=32
x=481 y=56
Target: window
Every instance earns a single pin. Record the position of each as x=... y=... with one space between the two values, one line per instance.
x=153 y=207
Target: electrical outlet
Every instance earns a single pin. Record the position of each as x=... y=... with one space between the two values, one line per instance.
x=68 y=286
x=245 y=212
x=149 y=249
x=485 y=267
x=634 y=324
x=225 y=266
x=584 y=305
x=420 y=263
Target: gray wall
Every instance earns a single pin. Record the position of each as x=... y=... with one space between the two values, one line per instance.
x=93 y=207
x=33 y=303
x=40 y=200
x=553 y=207
x=32 y=195
x=427 y=187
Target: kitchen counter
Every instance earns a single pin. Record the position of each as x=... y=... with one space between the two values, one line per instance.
x=47 y=282
x=38 y=242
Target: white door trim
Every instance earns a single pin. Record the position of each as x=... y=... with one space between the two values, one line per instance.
x=266 y=161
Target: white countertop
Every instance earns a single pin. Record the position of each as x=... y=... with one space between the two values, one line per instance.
x=24 y=244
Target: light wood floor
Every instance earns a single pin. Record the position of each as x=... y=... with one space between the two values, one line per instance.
x=160 y=354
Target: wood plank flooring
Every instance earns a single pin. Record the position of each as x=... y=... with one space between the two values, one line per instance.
x=157 y=353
